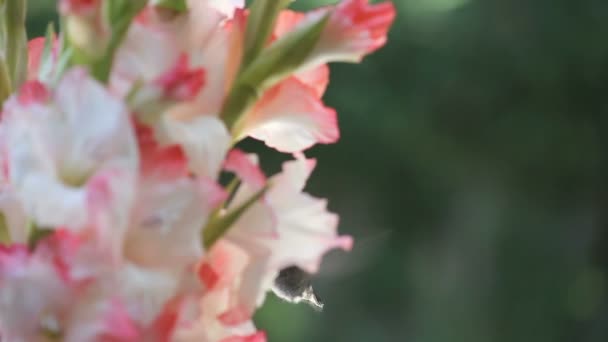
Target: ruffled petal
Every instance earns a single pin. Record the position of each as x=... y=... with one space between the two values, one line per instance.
x=224 y=312
x=291 y=118
x=355 y=28
x=306 y=229
x=71 y=156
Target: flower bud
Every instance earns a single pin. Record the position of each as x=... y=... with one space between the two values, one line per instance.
x=86 y=30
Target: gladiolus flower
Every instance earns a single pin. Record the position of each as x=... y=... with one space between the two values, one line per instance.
x=114 y=225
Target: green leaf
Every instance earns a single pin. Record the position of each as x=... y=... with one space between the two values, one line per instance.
x=175 y=5
x=260 y=23
x=219 y=225
x=275 y=63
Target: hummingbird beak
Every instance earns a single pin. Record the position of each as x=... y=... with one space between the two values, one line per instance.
x=311 y=299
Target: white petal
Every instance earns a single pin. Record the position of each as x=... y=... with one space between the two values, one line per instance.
x=205 y=140
x=169 y=218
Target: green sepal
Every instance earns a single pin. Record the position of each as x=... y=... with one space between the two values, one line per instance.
x=5 y=237
x=62 y=64
x=117 y=15
x=219 y=225
x=175 y=5
x=260 y=23
x=49 y=37
x=46 y=63
x=36 y=234
x=275 y=63
x=120 y=14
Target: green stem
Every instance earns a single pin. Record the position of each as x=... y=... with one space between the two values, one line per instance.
x=219 y=225
x=5 y=237
x=16 y=41
x=271 y=66
x=6 y=88
x=262 y=18
x=123 y=16
x=239 y=101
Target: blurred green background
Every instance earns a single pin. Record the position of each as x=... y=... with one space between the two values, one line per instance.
x=473 y=173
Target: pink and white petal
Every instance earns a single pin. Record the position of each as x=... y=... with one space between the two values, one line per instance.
x=178 y=314
x=254 y=281
x=226 y=7
x=159 y=162
x=286 y=22
x=224 y=261
x=110 y=194
x=77 y=260
x=33 y=92
x=208 y=328
x=72 y=158
x=204 y=138
x=78 y=7
x=355 y=29
x=31 y=159
x=146 y=53
x=221 y=58
x=259 y=220
x=51 y=203
x=169 y=217
x=165 y=324
x=35 y=47
x=246 y=168
x=200 y=24
x=259 y=336
x=237 y=286
x=96 y=123
x=316 y=78
x=221 y=273
x=306 y=229
x=294 y=175
x=146 y=291
x=291 y=118
x=96 y=318
x=30 y=288
x=38 y=69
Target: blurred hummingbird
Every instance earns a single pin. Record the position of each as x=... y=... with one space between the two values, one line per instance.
x=294 y=285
